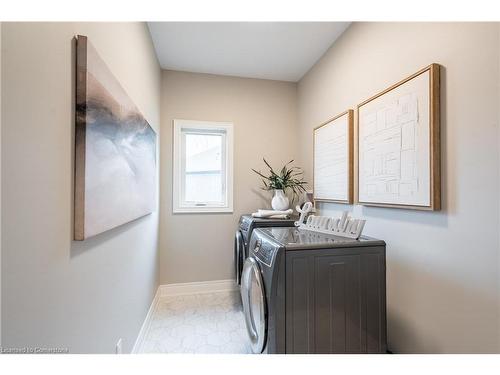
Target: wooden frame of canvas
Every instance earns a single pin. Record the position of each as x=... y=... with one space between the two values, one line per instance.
x=350 y=129
x=434 y=128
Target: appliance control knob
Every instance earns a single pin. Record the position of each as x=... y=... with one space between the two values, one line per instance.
x=257 y=246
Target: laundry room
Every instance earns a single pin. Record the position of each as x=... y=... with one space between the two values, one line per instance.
x=265 y=187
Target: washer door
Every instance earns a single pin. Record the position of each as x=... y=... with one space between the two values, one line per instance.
x=239 y=251
x=254 y=304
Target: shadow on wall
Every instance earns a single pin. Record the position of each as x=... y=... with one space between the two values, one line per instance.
x=433 y=300
x=433 y=219
x=264 y=197
x=378 y=214
x=79 y=247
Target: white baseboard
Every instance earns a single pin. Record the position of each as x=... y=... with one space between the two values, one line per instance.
x=179 y=290
x=198 y=287
x=145 y=324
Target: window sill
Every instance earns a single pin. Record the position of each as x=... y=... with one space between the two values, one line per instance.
x=202 y=210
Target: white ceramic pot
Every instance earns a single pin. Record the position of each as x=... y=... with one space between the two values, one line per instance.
x=280 y=201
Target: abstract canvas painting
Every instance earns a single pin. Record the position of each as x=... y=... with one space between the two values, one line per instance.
x=115 y=150
x=399 y=144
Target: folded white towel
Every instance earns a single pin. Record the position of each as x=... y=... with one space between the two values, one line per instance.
x=273 y=214
x=255 y=214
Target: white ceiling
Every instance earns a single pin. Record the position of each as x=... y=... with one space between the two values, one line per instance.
x=282 y=51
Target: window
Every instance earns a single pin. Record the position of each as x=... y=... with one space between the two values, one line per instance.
x=203 y=166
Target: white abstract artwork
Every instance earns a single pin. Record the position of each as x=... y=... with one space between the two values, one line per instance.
x=332 y=160
x=115 y=150
x=394 y=146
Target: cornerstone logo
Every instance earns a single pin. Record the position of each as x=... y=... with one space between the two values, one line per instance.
x=33 y=350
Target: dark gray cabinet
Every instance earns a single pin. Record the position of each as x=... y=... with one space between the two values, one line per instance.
x=335 y=300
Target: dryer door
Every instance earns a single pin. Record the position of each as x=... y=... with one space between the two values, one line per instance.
x=254 y=304
x=239 y=251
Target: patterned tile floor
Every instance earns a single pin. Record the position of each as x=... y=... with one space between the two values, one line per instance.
x=199 y=323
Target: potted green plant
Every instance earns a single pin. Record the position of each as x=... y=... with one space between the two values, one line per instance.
x=289 y=178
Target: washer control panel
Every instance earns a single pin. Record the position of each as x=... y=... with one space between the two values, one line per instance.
x=264 y=251
x=244 y=224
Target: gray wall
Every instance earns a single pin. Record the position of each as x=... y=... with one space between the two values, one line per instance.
x=199 y=247
x=442 y=267
x=56 y=292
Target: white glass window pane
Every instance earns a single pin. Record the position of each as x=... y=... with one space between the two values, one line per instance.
x=203 y=168
x=204 y=187
x=203 y=152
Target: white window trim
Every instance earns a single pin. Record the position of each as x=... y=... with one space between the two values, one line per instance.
x=177 y=165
